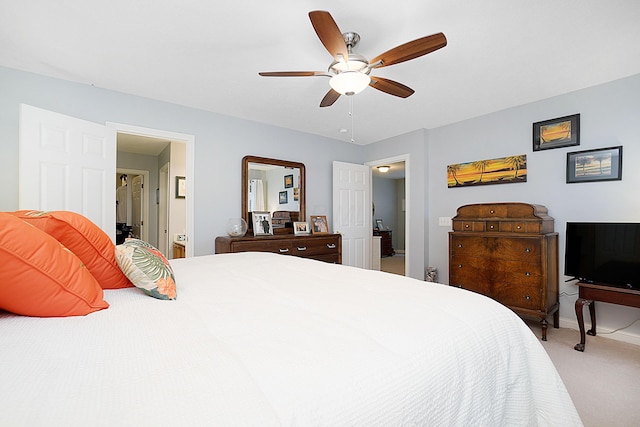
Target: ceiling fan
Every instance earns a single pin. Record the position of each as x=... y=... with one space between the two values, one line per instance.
x=349 y=71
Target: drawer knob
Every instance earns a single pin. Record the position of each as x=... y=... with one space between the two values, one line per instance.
x=466 y=226
x=459 y=265
x=459 y=245
x=303 y=248
x=518 y=227
x=527 y=274
x=527 y=250
x=331 y=245
x=492 y=227
x=527 y=297
x=284 y=251
x=492 y=211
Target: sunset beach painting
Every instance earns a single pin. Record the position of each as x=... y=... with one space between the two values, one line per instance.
x=503 y=170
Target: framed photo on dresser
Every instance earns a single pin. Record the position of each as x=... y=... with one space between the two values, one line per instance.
x=262 y=223
x=319 y=224
x=300 y=228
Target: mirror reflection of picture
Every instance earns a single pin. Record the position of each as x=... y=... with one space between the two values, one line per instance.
x=284 y=197
x=262 y=223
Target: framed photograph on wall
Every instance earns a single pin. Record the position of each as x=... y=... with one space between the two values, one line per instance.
x=181 y=187
x=556 y=133
x=602 y=164
x=319 y=224
x=288 y=181
x=262 y=223
x=283 y=197
x=300 y=228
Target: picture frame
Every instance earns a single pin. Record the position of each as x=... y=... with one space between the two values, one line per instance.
x=300 y=228
x=262 y=225
x=601 y=164
x=181 y=187
x=319 y=224
x=296 y=194
x=556 y=133
x=288 y=181
x=501 y=170
x=379 y=225
x=283 y=197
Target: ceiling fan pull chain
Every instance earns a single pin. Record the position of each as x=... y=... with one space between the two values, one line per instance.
x=351 y=114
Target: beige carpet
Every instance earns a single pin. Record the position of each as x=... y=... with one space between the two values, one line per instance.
x=393 y=264
x=603 y=381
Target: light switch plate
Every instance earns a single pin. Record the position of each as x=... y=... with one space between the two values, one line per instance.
x=444 y=221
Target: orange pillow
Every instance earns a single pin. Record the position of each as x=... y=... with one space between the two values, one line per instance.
x=83 y=238
x=39 y=277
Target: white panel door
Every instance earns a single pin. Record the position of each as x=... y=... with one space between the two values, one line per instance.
x=352 y=212
x=67 y=164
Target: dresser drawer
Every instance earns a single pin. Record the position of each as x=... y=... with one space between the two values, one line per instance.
x=508 y=248
x=464 y=225
x=519 y=296
x=319 y=246
x=276 y=246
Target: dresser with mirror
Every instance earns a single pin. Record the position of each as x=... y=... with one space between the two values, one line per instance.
x=278 y=187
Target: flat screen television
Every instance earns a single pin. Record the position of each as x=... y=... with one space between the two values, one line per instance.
x=603 y=253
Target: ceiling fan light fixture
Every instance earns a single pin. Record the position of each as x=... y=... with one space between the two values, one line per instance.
x=384 y=169
x=349 y=82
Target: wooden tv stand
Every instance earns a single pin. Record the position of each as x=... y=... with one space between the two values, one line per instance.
x=589 y=293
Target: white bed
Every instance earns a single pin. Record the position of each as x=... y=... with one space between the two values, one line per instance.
x=262 y=339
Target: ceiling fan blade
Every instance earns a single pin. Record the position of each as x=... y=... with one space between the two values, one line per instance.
x=410 y=50
x=329 y=33
x=292 y=73
x=331 y=97
x=391 y=87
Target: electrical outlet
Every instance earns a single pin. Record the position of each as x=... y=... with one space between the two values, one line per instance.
x=180 y=238
x=444 y=221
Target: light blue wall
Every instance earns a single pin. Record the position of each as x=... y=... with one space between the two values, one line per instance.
x=220 y=144
x=413 y=145
x=609 y=116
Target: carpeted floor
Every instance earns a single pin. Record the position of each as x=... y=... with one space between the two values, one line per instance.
x=393 y=264
x=603 y=381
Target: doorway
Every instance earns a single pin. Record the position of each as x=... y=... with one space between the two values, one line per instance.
x=181 y=165
x=390 y=196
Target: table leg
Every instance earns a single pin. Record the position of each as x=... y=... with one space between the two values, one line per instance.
x=580 y=303
x=592 y=314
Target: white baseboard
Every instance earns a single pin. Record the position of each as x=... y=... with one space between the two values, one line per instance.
x=605 y=332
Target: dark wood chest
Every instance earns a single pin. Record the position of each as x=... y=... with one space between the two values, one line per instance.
x=509 y=252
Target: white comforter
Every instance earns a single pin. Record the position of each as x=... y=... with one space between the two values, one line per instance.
x=263 y=339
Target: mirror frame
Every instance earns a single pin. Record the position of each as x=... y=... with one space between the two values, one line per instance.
x=264 y=160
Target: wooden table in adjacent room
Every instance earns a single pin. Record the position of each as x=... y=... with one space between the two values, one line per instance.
x=589 y=293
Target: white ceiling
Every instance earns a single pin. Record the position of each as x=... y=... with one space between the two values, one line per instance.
x=207 y=54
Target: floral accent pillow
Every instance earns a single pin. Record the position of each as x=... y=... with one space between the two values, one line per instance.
x=147 y=268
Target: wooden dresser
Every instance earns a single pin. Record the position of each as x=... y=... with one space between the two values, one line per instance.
x=386 y=247
x=509 y=252
x=323 y=247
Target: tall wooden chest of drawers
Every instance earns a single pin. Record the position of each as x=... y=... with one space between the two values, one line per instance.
x=322 y=247
x=509 y=252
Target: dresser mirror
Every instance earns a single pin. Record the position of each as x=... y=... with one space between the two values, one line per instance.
x=273 y=185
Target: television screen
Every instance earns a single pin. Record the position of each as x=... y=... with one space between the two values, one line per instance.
x=603 y=253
